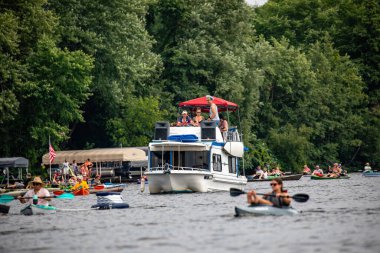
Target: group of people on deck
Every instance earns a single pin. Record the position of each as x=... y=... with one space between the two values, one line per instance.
x=186 y=120
x=70 y=172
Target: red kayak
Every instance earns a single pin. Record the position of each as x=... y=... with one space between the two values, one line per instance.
x=81 y=192
x=58 y=192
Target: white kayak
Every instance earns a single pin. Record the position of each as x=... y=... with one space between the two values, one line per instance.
x=38 y=209
x=260 y=210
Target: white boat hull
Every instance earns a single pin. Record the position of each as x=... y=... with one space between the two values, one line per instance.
x=191 y=181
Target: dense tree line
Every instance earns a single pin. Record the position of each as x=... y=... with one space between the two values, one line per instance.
x=100 y=73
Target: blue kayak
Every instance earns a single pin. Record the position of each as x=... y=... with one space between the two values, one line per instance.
x=371 y=174
x=262 y=210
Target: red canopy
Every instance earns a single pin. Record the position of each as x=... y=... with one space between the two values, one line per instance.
x=202 y=103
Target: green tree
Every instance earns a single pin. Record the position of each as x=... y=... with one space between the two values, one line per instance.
x=113 y=32
x=133 y=127
x=43 y=87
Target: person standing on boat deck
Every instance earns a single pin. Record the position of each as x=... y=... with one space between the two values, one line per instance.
x=65 y=170
x=277 y=198
x=223 y=126
x=184 y=120
x=367 y=167
x=89 y=165
x=214 y=114
x=39 y=190
x=198 y=117
x=75 y=168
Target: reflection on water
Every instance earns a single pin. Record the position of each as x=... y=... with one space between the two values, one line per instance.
x=341 y=216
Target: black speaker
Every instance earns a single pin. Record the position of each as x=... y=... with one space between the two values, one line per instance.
x=162 y=130
x=208 y=130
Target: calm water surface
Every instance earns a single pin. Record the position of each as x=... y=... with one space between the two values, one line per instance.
x=341 y=216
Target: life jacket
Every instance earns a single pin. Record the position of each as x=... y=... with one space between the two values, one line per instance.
x=277 y=202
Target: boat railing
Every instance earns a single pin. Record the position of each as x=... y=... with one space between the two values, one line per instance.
x=168 y=167
x=232 y=134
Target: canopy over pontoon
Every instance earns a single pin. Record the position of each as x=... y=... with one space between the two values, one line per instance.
x=14 y=162
x=97 y=155
x=223 y=105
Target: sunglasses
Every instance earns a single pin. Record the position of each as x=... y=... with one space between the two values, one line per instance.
x=273 y=184
x=35 y=184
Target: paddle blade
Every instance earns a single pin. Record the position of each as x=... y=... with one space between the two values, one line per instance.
x=301 y=197
x=236 y=192
x=4 y=209
x=6 y=198
x=65 y=196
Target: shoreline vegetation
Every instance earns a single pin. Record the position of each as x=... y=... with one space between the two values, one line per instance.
x=95 y=74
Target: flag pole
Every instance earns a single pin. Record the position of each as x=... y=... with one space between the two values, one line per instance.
x=49 y=160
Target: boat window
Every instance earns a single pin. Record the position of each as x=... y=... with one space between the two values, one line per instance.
x=158 y=158
x=216 y=162
x=232 y=164
x=180 y=160
x=190 y=159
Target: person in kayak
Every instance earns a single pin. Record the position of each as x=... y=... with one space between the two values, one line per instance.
x=81 y=184
x=36 y=192
x=277 y=198
x=318 y=171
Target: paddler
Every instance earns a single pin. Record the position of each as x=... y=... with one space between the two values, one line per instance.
x=36 y=193
x=81 y=184
x=277 y=198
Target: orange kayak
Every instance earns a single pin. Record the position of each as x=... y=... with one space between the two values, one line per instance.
x=81 y=192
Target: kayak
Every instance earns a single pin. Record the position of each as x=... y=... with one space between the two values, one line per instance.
x=371 y=174
x=38 y=209
x=261 y=210
x=270 y=178
x=81 y=192
x=314 y=177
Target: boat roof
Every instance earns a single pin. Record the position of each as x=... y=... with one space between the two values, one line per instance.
x=178 y=146
x=97 y=155
x=223 y=105
x=14 y=162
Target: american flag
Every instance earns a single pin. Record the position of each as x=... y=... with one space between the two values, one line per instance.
x=52 y=153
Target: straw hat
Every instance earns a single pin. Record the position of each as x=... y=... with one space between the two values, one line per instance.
x=184 y=112
x=36 y=180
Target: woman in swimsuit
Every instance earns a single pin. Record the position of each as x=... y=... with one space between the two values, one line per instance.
x=277 y=198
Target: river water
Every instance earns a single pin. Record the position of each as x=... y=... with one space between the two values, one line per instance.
x=341 y=216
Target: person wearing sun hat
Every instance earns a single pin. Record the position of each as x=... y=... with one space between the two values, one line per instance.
x=184 y=120
x=37 y=190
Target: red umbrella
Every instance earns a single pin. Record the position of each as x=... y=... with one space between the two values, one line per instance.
x=201 y=102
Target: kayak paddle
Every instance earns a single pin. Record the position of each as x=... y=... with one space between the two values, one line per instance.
x=8 y=198
x=300 y=197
